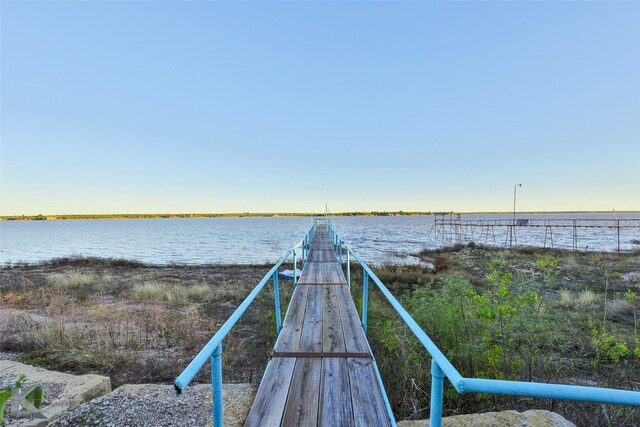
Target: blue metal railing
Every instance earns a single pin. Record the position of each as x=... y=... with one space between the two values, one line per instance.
x=213 y=349
x=441 y=366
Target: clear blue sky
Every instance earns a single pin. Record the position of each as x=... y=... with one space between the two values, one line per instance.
x=113 y=107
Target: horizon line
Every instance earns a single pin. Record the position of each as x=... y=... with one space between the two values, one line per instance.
x=306 y=214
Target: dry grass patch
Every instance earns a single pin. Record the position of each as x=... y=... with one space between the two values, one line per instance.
x=72 y=280
x=169 y=293
x=619 y=308
x=582 y=299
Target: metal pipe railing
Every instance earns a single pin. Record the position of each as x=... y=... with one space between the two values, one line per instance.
x=441 y=366
x=213 y=349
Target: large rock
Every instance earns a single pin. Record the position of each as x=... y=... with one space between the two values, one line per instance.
x=532 y=418
x=61 y=392
x=158 y=405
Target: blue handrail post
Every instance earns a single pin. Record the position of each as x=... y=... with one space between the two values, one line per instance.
x=304 y=248
x=341 y=254
x=276 y=297
x=437 y=376
x=216 y=386
x=348 y=270
x=365 y=300
x=295 y=281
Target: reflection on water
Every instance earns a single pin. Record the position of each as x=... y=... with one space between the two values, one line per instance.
x=264 y=240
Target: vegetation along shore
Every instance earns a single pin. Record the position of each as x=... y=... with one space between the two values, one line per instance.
x=523 y=314
x=201 y=215
x=41 y=217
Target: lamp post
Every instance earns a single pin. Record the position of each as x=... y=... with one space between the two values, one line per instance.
x=513 y=226
x=515 y=187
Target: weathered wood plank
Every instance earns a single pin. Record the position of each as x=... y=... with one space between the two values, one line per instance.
x=309 y=272
x=269 y=404
x=304 y=394
x=366 y=397
x=291 y=333
x=312 y=327
x=354 y=337
x=337 y=276
x=335 y=399
x=322 y=255
x=332 y=333
x=323 y=247
x=322 y=273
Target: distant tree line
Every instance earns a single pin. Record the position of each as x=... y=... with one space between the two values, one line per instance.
x=202 y=215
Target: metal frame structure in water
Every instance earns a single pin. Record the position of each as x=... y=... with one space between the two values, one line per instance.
x=466 y=230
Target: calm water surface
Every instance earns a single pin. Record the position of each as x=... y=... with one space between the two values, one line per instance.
x=259 y=240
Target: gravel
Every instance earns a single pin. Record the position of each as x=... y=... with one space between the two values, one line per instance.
x=153 y=405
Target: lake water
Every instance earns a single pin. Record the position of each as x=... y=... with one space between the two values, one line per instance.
x=265 y=239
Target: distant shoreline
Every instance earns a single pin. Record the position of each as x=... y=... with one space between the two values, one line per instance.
x=280 y=214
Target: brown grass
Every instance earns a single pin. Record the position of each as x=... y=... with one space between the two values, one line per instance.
x=134 y=323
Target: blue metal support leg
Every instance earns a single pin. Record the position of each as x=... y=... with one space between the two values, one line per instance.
x=276 y=297
x=304 y=250
x=437 y=376
x=216 y=386
x=348 y=270
x=295 y=278
x=365 y=300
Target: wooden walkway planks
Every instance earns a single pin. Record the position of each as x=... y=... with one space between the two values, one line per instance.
x=322 y=255
x=322 y=273
x=302 y=406
x=332 y=333
x=323 y=390
x=271 y=398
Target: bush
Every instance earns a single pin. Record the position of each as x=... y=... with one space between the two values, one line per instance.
x=499 y=332
x=608 y=346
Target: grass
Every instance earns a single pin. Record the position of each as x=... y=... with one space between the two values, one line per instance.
x=583 y=329
x=72 y=280
x=142 y=323
x=581 y=299
x=619 y=308
x=171 y=294
x=132 y=322
x=92 y=262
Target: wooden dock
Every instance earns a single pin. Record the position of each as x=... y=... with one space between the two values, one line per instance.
x=322 y=371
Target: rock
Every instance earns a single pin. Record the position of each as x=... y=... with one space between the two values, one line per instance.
x=158 y=405
x=61 y=392
x=531 y=418
x=236 y=405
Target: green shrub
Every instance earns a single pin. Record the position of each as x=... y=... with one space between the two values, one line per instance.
x=608 y=346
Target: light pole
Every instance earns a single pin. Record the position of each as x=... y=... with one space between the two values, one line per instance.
x=515 y=187
x=513 y=226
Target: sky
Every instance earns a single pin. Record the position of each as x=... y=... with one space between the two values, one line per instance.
x=193 y=107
